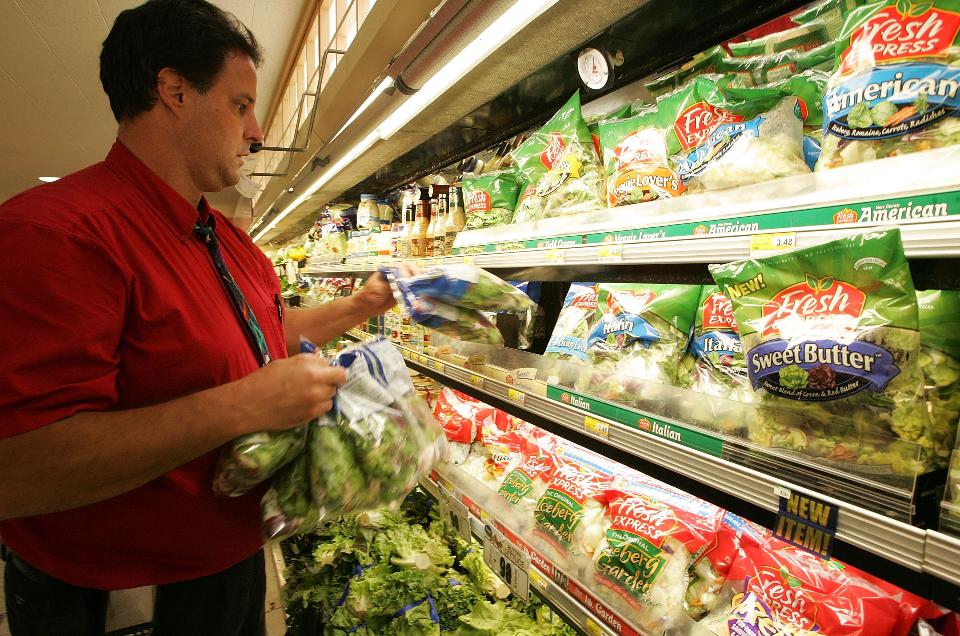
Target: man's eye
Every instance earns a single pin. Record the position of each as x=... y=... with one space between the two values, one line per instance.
x=243 y=108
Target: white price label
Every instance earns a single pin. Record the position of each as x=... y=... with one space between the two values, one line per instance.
x=610 y=253
x=509 y=563
x=781 y=491
x=516 y=396
x=772 y=243
x=457 y=515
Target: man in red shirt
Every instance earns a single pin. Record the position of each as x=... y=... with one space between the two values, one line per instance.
x=129 y=360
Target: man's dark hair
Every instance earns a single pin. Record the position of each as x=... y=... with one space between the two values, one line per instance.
x=193 y=37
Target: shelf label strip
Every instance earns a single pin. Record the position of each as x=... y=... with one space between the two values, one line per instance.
x=637 y=420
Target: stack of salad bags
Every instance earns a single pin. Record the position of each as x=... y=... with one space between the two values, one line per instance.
x=452 y=300
x=368 y=452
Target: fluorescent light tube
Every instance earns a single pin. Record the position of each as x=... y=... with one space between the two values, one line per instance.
x=377 y=92
x=327 y=175
x=513 y=20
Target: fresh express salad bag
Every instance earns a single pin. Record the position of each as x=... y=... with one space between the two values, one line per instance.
x=559 y=168
x=896 y=82
x=832 y=347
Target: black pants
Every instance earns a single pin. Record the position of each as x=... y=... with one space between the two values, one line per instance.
x=230 y=603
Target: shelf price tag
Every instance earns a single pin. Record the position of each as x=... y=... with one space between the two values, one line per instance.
x=509 y=562
x=772 y=243
x=476 y=381
x=610 y=253
x=595 y=426
x=437 y=366
x=457 y=515
x=516 y=396
x=469 y=259
x=592 y=628
x=537 y=579
x=555 y=257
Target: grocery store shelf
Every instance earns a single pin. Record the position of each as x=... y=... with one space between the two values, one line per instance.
x=918 y=193
x=543 y=579
x=882 y=538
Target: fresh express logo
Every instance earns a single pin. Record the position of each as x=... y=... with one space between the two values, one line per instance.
x=478 y=201
x=902 y=30
x=813 y=299
x=694 y=125
x=586 y=300
x=644 y=424
x=645 y=517
x=718 y=312
x=554 y=150
x=630 y=301
x=639 y=147
x=785 y=595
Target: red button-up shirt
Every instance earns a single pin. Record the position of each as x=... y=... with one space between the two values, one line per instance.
x=108 y=302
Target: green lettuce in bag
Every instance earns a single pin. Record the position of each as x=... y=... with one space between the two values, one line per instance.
x=643 y=329
x=490 y=199
x=830 y=12
x=719 y=367
x=801 y=38
x=635 y=160
x=569 y=338
x=940 y=363
x=736 y=136
x=831 y=341
x=593 y=124
x=896 y=87
x=559 y=168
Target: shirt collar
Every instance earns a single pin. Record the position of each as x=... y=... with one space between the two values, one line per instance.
x=160 y=196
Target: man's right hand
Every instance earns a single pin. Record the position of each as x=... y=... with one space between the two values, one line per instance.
x=288 y=392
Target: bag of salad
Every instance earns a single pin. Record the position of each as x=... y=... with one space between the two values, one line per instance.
x=830 y=12
x=801 y=38
x=716 y=139
x=569 y=338
x=643 y=329
x=896 y=85
x=719 y=367
x=593 y=124
x=490 y=199
x=635 y=160
x=830 y=335
x=701 y=63
x=940 y=363
x=559 y=168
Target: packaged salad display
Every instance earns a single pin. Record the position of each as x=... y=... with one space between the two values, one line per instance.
x=717 y=139
x=490 y=198
x=559 y=168
x=569 y=338
x=719 y=368
x=635 y=160
x=830 y=12
x=939 y=360
x=367 y=452
x=801 y=38
x=831 y=340
x=570 y=514
x=593 y=124
x=643 y=330
x=451 y=300
x=895 y=87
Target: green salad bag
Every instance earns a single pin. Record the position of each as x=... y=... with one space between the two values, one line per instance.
x=559 y=168
x=832 y=347
x=940 y=362
x=490 y=199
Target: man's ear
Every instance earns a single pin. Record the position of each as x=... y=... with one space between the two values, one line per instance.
x=171 y=89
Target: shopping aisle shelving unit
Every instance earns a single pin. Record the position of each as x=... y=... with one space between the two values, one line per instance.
x=924 y=561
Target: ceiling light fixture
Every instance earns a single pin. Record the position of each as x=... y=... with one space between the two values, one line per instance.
x=48 y=179
x=386 y=84
x=327 y=175
x=513 y=20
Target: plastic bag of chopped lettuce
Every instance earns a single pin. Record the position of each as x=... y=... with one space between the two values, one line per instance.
x=635 y=160
x=570 y=514
x=643 y=330
x=559 y=167
x=593 y=124
x=719 y=367
x=368 y=452
x=739 y=136
x=831 y=340
x=490 y=199
x=451 y=298
x=569 y=338
x=940 y=363
x=801 y=38
x=887 y=97
x=830 y=12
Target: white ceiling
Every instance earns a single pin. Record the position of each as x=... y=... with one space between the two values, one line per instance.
x=54 y=116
